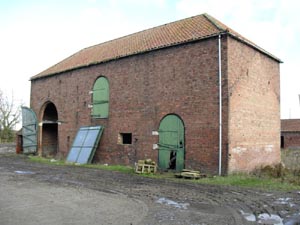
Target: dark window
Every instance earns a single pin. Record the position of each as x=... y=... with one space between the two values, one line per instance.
x=126 y=138
x=282 y=142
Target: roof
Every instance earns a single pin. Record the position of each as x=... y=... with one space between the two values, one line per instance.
x=171 y=34
x=290 y=125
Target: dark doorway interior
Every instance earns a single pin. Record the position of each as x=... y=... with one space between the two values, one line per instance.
x=50 y=131
x=282 y=142
x=172 y=163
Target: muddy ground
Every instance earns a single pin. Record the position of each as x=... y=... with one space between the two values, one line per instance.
x=34 y=193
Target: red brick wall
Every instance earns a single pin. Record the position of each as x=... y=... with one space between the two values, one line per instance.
x=182 y=80
x=143 y=89
x=290 y=125
x=254 y=114
x=290 y=140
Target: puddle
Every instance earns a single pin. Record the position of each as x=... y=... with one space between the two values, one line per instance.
x=295 y=219
x=263 y=218
x=169 y=202
x=24 y=172
x=267 y=194
x=272 y=219
x=248 y=216
x=284 y=201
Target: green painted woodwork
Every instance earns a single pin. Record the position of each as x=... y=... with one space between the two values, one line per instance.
x=29 y=130
x=101 y=98
x=85 y=145
x=171 y=141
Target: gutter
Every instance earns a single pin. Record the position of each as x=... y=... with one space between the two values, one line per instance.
x=220 y=105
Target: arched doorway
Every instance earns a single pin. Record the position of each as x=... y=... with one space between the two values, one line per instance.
x=49 y=131
x=171 y=143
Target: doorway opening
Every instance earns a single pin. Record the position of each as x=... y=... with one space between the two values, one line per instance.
x=49 y=131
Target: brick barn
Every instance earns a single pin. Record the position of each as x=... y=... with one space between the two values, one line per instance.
x=290 y=133
x=157 y=94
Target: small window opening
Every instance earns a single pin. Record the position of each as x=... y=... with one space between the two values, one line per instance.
x=125 y=138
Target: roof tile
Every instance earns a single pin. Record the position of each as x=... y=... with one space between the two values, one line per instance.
x=186 y=30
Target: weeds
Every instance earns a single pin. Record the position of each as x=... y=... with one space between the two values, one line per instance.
x=276 y=171
x=279 y=172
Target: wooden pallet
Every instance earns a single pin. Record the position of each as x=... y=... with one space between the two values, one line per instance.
x=190 y=174
x=145 y=168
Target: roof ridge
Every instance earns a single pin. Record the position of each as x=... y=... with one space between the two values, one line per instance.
x=144 y=30
x=178 y=32
x=213 y=22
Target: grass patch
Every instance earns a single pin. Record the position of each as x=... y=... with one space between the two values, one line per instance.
x=158 y=175
x=123 y=169
x=250 y=181
x=39 y=159
x=119 y=168
x=276 y=177
x=267 y=178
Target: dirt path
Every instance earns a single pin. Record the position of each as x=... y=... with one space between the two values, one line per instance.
x=52 y=194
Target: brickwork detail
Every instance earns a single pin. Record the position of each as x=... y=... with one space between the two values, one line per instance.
x=180 y=80
x=254 y=108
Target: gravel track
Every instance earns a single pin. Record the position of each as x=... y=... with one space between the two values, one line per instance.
x=107 y=197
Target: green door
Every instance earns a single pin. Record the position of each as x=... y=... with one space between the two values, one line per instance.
x=171 y=143
x=100 y=98
x=29 y=130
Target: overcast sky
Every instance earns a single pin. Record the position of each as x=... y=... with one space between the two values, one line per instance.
x=36 y=34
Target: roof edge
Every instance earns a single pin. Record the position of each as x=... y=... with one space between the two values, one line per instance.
x=290 y=131
x=36 y=77
x=222 y=32
x=222 y=29
x=290 y=119
x=244 y=40
x=255 y=46
x=211 y=20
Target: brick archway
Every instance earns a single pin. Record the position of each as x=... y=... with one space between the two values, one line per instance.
x=48 y=132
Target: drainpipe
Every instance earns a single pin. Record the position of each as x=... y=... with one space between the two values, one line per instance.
x=220 y=108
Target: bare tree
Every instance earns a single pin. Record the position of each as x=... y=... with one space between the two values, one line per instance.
x=9 y=117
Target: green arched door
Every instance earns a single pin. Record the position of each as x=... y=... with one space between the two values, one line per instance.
x=29 y=130
x=100 y=98
x=171 y=143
